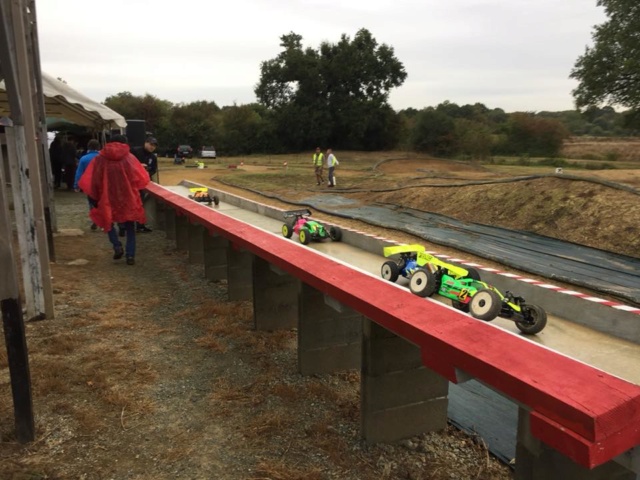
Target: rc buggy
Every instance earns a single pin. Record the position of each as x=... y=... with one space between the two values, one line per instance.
x=202 y=195
x=298 y=222
x=428 y=275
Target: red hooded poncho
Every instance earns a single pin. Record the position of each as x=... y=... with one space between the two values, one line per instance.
x=114 y=180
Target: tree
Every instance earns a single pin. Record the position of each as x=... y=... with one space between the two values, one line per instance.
x=151 y=109
x=196 y=124
x=433 y=132
x=609 y=72
x=473 y=139
x=535 y=136
x=334 y=95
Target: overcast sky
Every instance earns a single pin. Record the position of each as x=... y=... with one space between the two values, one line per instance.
x=511 y=54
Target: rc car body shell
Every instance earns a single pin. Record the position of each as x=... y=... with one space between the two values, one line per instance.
x=298 y=222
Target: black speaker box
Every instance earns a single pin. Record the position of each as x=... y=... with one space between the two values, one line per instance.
x=136 y=132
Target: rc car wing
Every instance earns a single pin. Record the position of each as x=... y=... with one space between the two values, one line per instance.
x=396 y=249
x=303 y=212
x=455 y=271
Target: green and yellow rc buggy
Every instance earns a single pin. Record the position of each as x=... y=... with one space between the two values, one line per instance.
x=428 y=275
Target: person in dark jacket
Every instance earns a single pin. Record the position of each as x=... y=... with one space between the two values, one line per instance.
x=69 y=160
x=147 y=157
x=55 y=156
x=113 y=181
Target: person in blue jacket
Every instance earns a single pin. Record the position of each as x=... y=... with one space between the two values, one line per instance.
x=93 y=148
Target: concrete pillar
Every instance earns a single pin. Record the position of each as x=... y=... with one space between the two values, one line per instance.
x=537 y=461
x=399 y=397
x=215 y=256
x=239 y=274
x=150 y=205
x=160 y=214
x=182 y=233
x=196 y=245
x=329 y=334
x=275 y=297
x=170 y=223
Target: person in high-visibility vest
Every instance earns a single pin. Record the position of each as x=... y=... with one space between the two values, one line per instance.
x=332 y=161
x=318 y=161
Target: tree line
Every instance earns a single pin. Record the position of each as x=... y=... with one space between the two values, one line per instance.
x=337 y=95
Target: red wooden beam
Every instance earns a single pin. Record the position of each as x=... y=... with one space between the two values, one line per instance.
x=585 y=413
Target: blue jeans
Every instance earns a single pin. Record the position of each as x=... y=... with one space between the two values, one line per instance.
x=130 y=247
x=331 y=170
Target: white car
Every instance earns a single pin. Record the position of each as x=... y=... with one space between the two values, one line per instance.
x=208 y=152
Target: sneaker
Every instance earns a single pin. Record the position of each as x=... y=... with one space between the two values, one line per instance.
x=118 y=253
x=131 y=261
x=143 y=229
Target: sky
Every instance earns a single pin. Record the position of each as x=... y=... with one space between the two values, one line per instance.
x=511 y=54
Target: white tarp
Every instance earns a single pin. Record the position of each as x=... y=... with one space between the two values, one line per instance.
x=63 y=105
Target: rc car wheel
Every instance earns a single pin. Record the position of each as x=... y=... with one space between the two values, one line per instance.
x=463 y=307
x=287 y=230
x=472 y=273
x=485 y=305
x=335 y=234
x=390 y=271
x=423 y=283
x=304 y=236
x=535 y=320
x=216 y=200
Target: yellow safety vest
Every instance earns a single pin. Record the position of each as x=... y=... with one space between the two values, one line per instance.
x=318 y=159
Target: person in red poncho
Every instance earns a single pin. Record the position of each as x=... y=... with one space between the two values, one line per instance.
x=113 y=182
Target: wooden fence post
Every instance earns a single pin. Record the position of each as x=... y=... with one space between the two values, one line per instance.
x=13 y=325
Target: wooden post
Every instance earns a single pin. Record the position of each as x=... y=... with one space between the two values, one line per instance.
x=41 y=120
x=13 y=325
x=28 y=169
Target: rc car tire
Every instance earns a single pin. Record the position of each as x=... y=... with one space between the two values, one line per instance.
x=538 y=317
x=472 y=273
x=485 y=305
x=287 y=230
x=423 y=283
x=304 y=236
x=390 y=271
x=335 y=234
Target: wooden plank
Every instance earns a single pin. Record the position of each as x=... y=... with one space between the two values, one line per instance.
x=601 y=412
x=25 y=135
x=13 y=325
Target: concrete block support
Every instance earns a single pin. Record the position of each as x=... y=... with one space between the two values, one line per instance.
x=151 y=210
x=182 y=233
x=215 y=256
x=329 y=338
x=160 y=214
x=239 y=274
x=196 y=245
x=170 y=223
x=275 y=297
x=537 y=461
x=399 y=397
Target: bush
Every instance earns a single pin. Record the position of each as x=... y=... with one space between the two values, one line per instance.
x=612 y=156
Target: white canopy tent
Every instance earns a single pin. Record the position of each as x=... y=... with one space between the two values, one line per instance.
x=64 y=106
